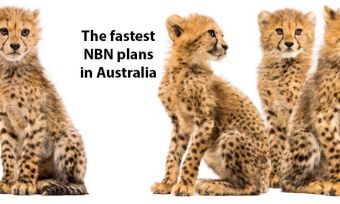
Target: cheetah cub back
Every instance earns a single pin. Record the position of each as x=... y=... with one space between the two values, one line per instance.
x=287 y=38
x=41 y=150
x=312 y=162
x=223 y=125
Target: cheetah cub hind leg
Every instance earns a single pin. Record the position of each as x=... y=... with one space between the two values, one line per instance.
x=244 y=167
x=70 y=164
x=304 y=165
x=313 y=187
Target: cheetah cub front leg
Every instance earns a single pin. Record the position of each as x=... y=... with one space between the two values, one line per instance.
x=178 y=145
x=9 y=164
x=200 y=141
x=28 y=163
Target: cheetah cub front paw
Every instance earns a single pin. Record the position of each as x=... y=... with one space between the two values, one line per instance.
x=21 y=188
x=275 y=182
x=5 y=187
x=161 y=188
x=332 y=189
x=206 y=187
x=180 y=189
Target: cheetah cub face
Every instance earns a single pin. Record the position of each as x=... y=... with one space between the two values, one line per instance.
x=286 y=33
x=196 y=37
x=332 y=32
x=19 y=33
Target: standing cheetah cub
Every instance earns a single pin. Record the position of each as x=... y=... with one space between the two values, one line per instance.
x=312 y=162
x=41 y=151
x=287 y=38
x=223 y=125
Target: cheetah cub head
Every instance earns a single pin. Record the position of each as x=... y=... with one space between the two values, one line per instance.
x=197 y=38
x=332 y=32
x=286 y=33
x=19 y=33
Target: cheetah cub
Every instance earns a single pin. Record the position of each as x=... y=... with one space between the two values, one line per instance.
x=222 y=124
x=287 y=38
x=41 y=151
x=312 y=163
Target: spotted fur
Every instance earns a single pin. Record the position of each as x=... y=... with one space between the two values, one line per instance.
x=223 y=126
x=41 y=151
x=312 y=162
x=287 y=38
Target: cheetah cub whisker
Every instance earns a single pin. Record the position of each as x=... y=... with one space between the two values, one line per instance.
x=41 y=151
x=224 y=127
x=287 y=38
x=312 y=161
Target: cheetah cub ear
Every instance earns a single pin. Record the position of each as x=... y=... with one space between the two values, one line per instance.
x=174 y=26
x=310 y=16
x=263 y=19
x=36 y=13
x=330 y=14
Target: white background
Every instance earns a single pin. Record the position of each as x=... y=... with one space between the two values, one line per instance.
x=124 y=126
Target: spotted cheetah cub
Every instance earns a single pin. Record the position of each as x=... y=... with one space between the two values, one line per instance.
x=223 y=125
x=41 y=151
x=287 y=38
x=312 y=162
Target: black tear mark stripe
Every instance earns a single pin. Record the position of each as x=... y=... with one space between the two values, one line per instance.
x=3 y=44
x=297 y=41
x=215 y=45
x=22 y=39
x=278 y=45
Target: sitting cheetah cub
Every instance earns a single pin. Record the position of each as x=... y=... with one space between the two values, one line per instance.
x=287 y=38
x=312 y=162
x=223 y=125
x=41 y=151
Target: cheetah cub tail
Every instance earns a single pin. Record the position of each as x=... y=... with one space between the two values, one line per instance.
x=53 y=187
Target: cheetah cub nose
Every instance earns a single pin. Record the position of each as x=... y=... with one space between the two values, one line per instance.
x=15 y=46
x=289 y=44
x=225 y=47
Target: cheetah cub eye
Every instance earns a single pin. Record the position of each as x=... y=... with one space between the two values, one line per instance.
x=279 y=31
x=298 y=31
x=4 y=31
x=25 y=32
x=212 y=33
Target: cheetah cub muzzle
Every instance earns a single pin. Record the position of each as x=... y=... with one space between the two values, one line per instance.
x=287 y=38
x=41 y=151
x=223 y=126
